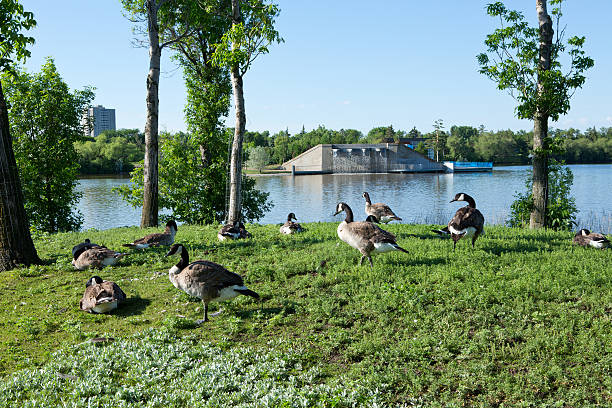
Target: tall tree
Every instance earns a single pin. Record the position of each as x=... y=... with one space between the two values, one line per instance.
x=526 y=61
x=437 y=139
x=16 y=245
x=152 y=13
x=251 y=34
x=46 y=121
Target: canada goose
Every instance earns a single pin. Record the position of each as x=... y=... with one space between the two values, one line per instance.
x=584 y=237
x=236 y=230
x=468 y=221
x=290 y=227
x=161 y=238
x=95 y=257
x=364 y=236
x=381 y=211
x=101 y=296
x=206 y=280
x=372 y=218
x=83 y=246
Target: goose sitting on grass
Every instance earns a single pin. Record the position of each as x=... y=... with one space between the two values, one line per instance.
x=586 y=238
x=165 y=238
x=467 y=222
x=206 y=280
x=101 y=296
x=364 y=236
x=381 y=211
x=235 y=230
x=88 y=256
x=290 y=227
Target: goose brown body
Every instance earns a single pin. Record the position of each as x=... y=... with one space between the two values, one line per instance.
x=382 y=212
x=468 y=221
x=101 y=296
x=586 y=238
x=96 y=257
x=365 y=236
x=206 y=280
x=165 y=238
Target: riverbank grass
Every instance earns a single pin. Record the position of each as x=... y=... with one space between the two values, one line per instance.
x=524 y=319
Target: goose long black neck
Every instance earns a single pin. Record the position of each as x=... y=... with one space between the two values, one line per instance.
x=470 y=201
x=367 y=198
x=182 y=264
x=349 y=214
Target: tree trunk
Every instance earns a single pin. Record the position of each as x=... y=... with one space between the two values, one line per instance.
x=540 y=125
x=16 y=245
x=235 y=191
x=150 y=170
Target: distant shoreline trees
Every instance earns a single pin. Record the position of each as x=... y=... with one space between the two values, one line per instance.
x=463 y=143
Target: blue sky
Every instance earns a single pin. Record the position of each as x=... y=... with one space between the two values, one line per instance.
x=344 y=64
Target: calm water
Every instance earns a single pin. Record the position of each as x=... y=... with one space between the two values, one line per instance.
x=417 y=198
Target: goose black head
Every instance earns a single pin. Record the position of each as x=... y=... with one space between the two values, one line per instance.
x=291 y=216
x=339 y=208
x=459 y=197
x=172 y=224
x=94 y=280
x=584 y=232
x=175 y=249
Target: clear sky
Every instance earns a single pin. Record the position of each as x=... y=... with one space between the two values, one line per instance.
x=352 y=64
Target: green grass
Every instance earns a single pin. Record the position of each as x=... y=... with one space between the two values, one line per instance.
x=525 y=319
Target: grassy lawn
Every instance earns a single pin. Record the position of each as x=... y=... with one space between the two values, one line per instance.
x=525 y=319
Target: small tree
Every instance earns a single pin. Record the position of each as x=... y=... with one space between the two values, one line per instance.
x=193 y=192
x=16 y=245
x=152 y=14
x=561 y=206
x=437 y=139
x=526 y=61
x=45 y=124
x=251 y=34
x=258 y=158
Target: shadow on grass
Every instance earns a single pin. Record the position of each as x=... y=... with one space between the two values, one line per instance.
x=132 y=306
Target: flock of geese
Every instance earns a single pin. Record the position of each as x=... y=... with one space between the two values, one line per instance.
x=211 y=282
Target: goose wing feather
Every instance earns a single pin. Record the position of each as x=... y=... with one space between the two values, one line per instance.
x=467 y=217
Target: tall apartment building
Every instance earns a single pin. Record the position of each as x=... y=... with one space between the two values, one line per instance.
x=100 y=119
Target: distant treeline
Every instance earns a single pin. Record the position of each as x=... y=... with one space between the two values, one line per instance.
x=112 y=152
x=461 y=143
x=120 y=151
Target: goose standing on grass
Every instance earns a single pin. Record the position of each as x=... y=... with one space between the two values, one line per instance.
x=467 y=222
x=165 y=238
x=381 y=211
x=290 y=227
x=101 y=296
x=206 y=280
x=237 y=230
x=87 y=256
x=364 y=236
x=585 y=238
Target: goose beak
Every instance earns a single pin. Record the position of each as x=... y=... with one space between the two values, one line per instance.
x=168 y=253
x=452 y=201
x=336 y=213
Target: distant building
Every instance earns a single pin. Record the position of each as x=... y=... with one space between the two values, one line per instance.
x=100 y=119
x=361 y=158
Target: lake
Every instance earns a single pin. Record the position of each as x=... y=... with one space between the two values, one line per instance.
x=416 y=198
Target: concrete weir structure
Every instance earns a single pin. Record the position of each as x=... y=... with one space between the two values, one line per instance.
x=361 y=158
